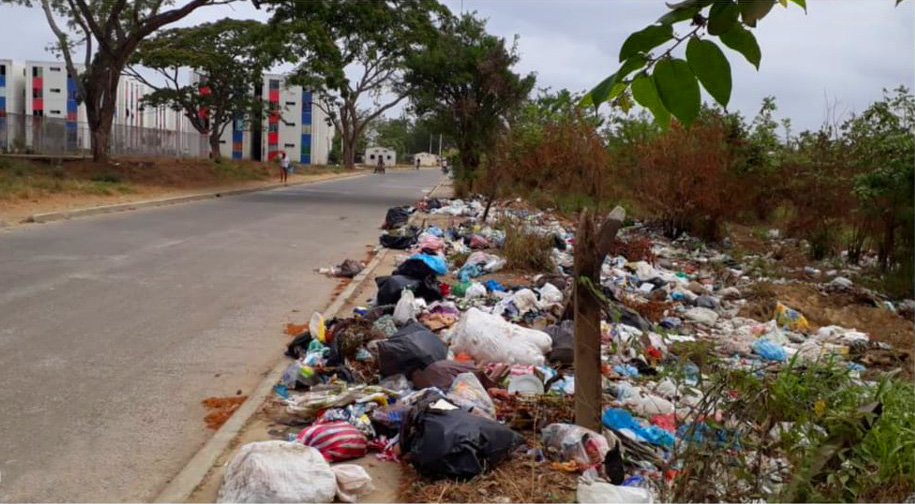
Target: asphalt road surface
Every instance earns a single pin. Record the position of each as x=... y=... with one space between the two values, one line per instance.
x=114 y=328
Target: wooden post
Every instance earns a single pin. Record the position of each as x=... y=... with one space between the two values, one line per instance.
x=591 y=246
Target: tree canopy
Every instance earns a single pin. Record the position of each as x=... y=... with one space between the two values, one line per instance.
x=229 y=56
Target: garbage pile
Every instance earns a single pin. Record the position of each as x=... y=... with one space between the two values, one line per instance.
x=454 y=371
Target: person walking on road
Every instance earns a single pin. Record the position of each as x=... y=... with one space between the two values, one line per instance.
x=380 y=167
x=416 y=161
x=285 y=167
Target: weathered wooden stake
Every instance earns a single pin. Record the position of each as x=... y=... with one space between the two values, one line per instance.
x=591 y=246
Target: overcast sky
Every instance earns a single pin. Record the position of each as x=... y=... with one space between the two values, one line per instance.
x=843 y=50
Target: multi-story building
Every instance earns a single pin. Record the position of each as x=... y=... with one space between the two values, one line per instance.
x=52 y=108
x=294 y=124
x=12 y=103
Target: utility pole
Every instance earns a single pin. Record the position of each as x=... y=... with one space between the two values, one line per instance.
x=430 y=143
x=439 y=145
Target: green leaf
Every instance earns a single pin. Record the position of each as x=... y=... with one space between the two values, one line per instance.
x=722 y=17
x=743 y=41
x=678 y=89
x=677 y=15
x=645 y=40
x=752 y=11
x=711 y=67
x=646 y=94
x=599 y=94
x=632 y=64
x=803 y=3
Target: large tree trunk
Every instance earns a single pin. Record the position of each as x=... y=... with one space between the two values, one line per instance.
x=349 y=148
x=103 y=78
x=214 y=144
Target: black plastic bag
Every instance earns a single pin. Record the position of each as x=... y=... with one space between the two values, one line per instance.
x=299 y=346
x=416 y=269
x=411 y=348
x=563 y=336
x=396 y=217
x=396 y=241
x=390 y=287
x=454 y=443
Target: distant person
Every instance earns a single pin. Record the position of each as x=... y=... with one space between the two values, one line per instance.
x=380 y=167
x=286 y=167
x=416 y=162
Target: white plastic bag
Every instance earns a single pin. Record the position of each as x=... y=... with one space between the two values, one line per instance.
x=278 y=471
x=577 y=443
x=353 y=482
x=602 y=492
x=648 y=405
x=467 y=391
x=489 y=338
x=525 y=300
x=317 y=328
x=404 y=311
x=550 y=295
x=475 y=290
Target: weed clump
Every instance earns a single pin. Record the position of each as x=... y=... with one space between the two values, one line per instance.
x=525 y=250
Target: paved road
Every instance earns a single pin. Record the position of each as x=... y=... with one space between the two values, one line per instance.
x=113 y=328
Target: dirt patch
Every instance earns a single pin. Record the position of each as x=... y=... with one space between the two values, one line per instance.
x=520 y=479
x=222 y=407
x=293 y=329
x=30 y=187
x=846 y=310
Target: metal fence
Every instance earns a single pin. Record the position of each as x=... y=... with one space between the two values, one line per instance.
x=22 y=134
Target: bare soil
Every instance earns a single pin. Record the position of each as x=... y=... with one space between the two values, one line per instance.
x=31 y=187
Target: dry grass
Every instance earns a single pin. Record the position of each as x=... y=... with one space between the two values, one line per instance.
x=524 y=250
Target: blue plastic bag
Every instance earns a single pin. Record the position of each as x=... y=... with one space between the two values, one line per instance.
x=469 y=271
x=493 y=285
x=620 y=418
x=769 y=350
x=435 y=230
x=436 y=262
x=626 y=369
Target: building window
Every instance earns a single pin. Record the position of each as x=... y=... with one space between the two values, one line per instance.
x=2 y=69
x=389 y=157
x=222 y=142
x=371 y=156
x=38 y=113
x=289 y=146
x=55 y=90
x=274 y=84
x=290 y=104
x=36 y=71
x=36 y=92
x=55 y=69
x=55 y=112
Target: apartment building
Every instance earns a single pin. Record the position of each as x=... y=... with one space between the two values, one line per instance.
x=12 y=97
x=294 y=124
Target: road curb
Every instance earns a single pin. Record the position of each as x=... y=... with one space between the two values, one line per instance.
x=120 y=207
x=180 y=488
x=185 y=482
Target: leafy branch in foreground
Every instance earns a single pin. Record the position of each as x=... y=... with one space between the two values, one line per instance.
x=669 y=85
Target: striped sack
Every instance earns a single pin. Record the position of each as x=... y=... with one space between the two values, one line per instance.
x=335 y=440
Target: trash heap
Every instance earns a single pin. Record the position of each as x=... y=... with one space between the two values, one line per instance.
x=456 y=369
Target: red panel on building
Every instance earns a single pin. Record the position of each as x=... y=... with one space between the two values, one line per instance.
x=38 y=104
x=37 y=82
x=274 y=95
x=273 y=137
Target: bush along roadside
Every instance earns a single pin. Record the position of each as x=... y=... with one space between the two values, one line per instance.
x=716 y=385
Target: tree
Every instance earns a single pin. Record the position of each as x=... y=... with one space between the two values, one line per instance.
x=109 y=32
x=367 y=38
x=463 y=77
x=229 y=55
x=669 y=86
